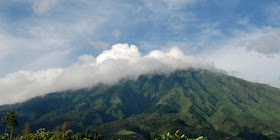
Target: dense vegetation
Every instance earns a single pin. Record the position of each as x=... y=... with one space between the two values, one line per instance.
x=197 y=102
x=62 y=134
x=41 y=134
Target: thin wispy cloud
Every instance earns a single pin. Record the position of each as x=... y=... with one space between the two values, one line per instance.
x=175 y=4
x=43 y=6
x=267 y=43
x=98 y=44
x=253 y=56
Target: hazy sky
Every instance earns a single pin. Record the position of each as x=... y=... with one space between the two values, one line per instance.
x=54 y=45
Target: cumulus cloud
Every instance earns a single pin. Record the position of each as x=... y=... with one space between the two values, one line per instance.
x=42 y=6
x=121 y=61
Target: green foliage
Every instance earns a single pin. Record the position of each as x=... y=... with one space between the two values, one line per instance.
x=11 y=122
x=177 y=136
x=197 y=102
x=42 y=134
x=4 y=136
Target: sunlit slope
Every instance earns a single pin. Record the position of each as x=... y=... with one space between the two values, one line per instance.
x=186 y=99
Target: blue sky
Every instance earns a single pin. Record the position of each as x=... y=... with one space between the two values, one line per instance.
x=241 y=37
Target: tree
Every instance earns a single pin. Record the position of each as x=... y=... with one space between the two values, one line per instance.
x=26 y=128
x=63 y=128
x=11 y=122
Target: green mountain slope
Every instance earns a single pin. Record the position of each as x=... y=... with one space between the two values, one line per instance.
x=197 y=102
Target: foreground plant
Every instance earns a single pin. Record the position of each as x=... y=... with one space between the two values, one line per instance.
x=11 y=122
x=177 y=136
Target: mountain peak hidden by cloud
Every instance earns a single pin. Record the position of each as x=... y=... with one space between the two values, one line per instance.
x=121 y=61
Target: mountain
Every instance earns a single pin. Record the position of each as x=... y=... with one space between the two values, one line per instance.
x=197 y=102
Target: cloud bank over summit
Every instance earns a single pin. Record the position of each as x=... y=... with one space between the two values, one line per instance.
x=121 y=61
x=43 y=42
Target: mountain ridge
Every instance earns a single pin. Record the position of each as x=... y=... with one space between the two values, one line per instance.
x=193 y=99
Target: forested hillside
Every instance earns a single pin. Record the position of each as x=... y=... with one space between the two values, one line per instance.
x=197 y=102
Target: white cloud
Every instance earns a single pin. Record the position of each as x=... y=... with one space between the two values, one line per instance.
x=178 y=18
x=243 y=21
x=122 y=61
x=267 y=43
x=44 y=44
x=253 y=56
x=98 y=44
x=272 y=11
x=42 y=6
x=25 y=52
x=174 y=4
x=251 y=66
x=55 y=39
x=263 y=40
x=23 y=85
